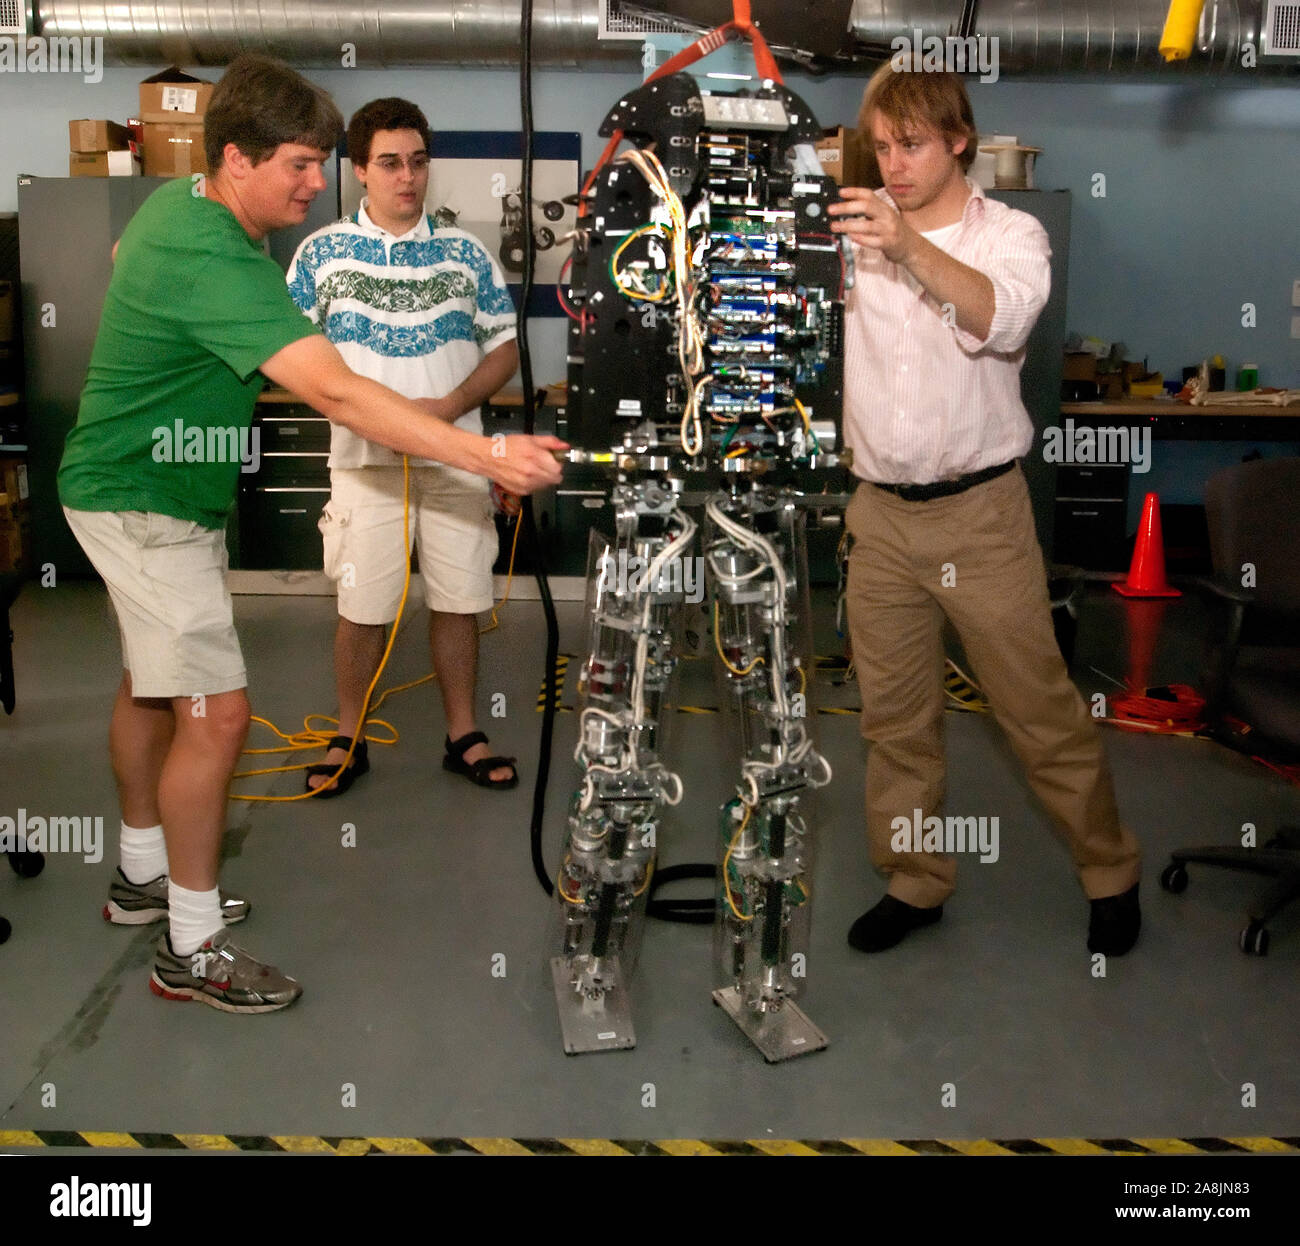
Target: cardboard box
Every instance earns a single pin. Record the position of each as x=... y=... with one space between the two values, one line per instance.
x=173 y=150
x=1080 y=366
x=97 y=136
x=830 y=151
x=175 y=97
x=845 y=158
x=103 y=164
x=15 y=538
x=13 y=480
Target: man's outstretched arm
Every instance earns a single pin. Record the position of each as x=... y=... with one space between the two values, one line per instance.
x=313 y=369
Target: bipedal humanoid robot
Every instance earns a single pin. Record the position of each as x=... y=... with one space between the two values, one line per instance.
x=705 y=364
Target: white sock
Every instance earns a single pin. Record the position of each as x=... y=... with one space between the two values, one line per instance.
x=144 y=853
x=195 y=917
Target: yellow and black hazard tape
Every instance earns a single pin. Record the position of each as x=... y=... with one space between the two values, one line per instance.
x=561 y=670
x=709 y=709
x=962 y=694
x=303 y=1145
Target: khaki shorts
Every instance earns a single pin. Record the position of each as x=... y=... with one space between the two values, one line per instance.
x=166 y=578
x=450 y=522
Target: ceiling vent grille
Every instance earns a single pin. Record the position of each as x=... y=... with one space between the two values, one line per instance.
x=1281 y=28
x=620 y=20
x=13 y=17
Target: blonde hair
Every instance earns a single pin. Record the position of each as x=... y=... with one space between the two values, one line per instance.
x=910 y=100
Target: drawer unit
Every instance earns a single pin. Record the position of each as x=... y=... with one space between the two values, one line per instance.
x=279 y=505
x=1091 y=483
x=277 y=526
x=1090 y=533
x=288 y=429
x=293 y=467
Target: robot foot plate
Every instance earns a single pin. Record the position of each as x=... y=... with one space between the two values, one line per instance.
x=779 y=1035
x=604 y=1024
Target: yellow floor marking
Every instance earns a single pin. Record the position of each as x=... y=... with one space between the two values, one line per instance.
x=593 y=1146
x=110 y=1139
x=497 y=1146
x=776 y=1146
x=978 y=1146
x=1072 y=1146
x=1169 y=1146
x=402 y=1146
x=353 y=1146
x=294 y=1142
x=685 y=1146
x=877 y=1146
x=207 y=1142
x=1263 y=1145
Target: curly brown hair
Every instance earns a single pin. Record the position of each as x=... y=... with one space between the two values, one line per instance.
x=385 y=114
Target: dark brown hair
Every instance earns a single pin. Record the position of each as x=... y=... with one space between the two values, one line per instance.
x=385 y=114
x=912 y=100
x=260 y=103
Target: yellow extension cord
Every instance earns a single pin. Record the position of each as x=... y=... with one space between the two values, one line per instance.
x=312 y=737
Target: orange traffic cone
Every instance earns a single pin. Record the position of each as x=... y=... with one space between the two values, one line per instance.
x=1146 y=574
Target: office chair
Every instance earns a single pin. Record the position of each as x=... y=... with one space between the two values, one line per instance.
x=10 y=584
x=25 y=864
x=1253 y=513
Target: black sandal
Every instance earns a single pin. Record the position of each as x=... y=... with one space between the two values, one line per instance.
x=358 y=766
x=477 y=771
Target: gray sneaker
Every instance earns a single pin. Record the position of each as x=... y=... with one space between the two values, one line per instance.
x=138 y=904
x=222 y=975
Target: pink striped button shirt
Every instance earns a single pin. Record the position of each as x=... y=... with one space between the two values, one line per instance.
x=925 y=401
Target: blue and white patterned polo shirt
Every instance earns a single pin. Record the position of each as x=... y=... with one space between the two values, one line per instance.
x=416 y=313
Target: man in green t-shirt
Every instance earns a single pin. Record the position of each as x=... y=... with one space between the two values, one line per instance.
x=195 y=317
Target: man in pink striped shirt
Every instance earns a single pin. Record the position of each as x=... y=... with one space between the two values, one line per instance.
x=949 y=285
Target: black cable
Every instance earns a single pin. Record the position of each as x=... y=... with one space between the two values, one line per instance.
x=526 y=514
x=694 y=912
x=970 y=12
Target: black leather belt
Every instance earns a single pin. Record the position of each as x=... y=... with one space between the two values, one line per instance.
x=946 y=488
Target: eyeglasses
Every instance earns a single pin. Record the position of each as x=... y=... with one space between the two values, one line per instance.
x=417 y=163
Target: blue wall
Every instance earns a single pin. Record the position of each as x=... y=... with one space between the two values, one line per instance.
x=1201 y=212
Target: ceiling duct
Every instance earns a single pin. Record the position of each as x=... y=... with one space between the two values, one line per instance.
x=385 y=33
x=1047 y=37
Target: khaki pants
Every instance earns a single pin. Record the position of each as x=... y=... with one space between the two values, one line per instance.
x=973 y=557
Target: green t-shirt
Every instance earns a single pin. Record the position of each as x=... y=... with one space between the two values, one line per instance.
x=193 y=310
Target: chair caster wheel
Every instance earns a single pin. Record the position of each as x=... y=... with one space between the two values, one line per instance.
x=27 y=864
x=1173 y=878
x=5 y=930
x=1254 y=939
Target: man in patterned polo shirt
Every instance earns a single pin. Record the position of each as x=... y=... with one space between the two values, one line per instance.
x=425 y=311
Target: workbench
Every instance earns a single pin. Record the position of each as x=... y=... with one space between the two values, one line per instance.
x=1097 y=507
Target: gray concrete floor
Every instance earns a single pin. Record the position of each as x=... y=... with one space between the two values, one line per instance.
x=394 y=939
